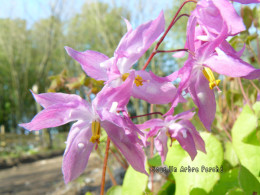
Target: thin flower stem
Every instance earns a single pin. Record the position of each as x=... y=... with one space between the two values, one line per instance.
x=166 y=32
x=226 y=131
x=117 y=158
x=254 y=85
x=151 y=150
x=111 y=177
x=171 y=51
x=121 y=156
x=244 y=94
x=104 y=168
x=146 y=114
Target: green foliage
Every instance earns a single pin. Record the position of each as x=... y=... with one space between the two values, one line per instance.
x=115 y=190
x=227 y=181
x=186 y=181
x=134 y=182
x=248 y=153
x=29 y=55
x=230 y=154
x=155 y=161
x=247 y=15
x=248 y=182
x=167 y=188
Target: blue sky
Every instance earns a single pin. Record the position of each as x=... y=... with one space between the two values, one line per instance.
x=33 y=10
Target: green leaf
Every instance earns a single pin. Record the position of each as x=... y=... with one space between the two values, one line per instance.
x=167 y=188
x=134 y=182
x=247 y=15
x=155 y=161
x=252 y=37
x=186 y=181
x=235 y=191
x=228 y=181
x=198 y=191
x=248 y=154
x=248 y=182
x=114 y=190
x=253 y=137
x=230 y=154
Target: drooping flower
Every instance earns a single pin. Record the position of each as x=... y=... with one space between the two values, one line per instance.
x=210 y=53
x=60 y=108
x=114 y=71
x=178 y=128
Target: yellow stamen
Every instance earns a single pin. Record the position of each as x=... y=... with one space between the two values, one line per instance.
x=124 y=76
x=169 y=135
x=95 y=127
x=210 y=77
x=138 y=79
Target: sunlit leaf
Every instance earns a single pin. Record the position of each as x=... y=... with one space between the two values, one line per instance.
x=114 y=190
x=186 y=181
x=134 y=182
x=248 y=154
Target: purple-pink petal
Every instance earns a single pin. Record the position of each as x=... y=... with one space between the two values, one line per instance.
x=160 y=143
x=204 y=99
x=58 y=113
x=186 y=141
x=120 y=95
x=77 y=152
x=48 y=99
x=90 y=62
x=232 y=66
x=154 y=91
x=136 y=42
x=213 y=14
x=128 y=144
x=187 y=115
x=199 y=143
x=151 y=123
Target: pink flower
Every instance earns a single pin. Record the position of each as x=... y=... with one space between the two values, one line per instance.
x=211 y=53
x=60 y=108
x=115 y=70
x=176 y=127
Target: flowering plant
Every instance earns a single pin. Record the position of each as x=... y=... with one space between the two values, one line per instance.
x=209 y=26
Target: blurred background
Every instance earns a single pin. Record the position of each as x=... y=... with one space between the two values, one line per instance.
x=33 y=34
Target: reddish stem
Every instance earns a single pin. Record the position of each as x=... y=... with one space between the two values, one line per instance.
x=104 y=168
x=111 y=177
x=120 y=162
x=146 y=114
x=171 y=51
x=174 y=20
x=121 y=156
x=151 y=150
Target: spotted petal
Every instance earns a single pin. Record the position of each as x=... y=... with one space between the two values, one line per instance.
x=204 y=98
x=77 y=152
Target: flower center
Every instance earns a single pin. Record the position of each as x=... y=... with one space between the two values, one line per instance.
x=169 y=135
x=138 y=79
x=95 y=127
x=210 y=77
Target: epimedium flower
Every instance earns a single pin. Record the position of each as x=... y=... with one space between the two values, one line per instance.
x=115 y=70
x=208 y=55
x=60 y=108
x=176 y=127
